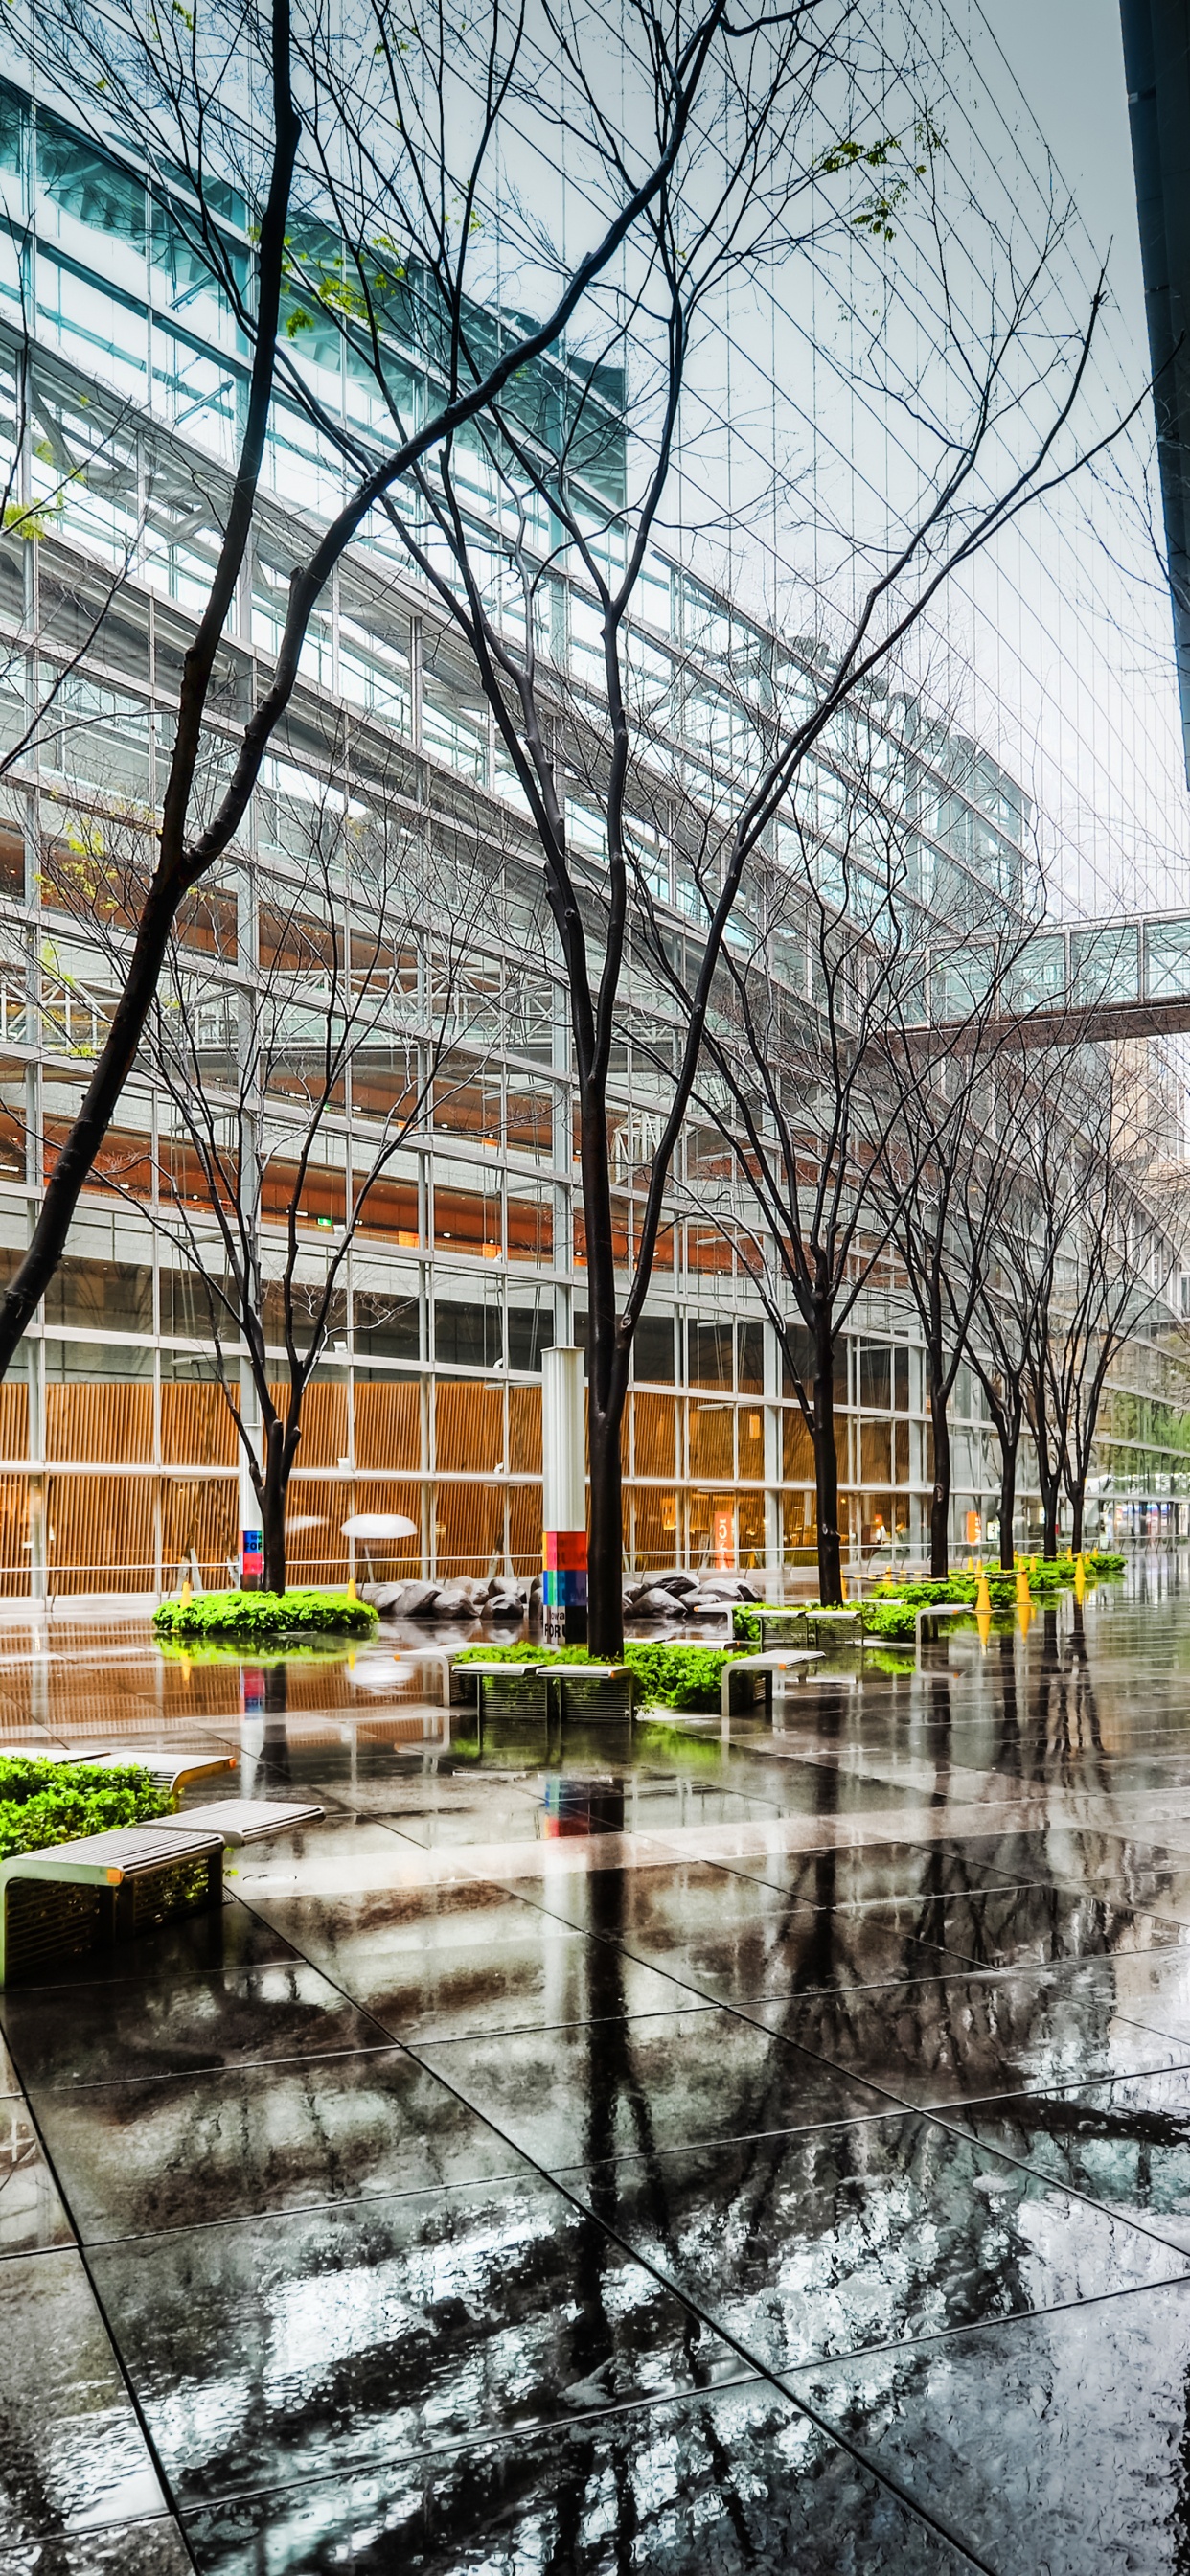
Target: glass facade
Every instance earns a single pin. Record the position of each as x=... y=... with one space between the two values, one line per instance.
x=117 y=1450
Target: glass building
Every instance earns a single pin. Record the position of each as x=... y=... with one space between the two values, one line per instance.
x=118 y=1453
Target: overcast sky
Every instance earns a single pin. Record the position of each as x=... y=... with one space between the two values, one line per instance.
x=1068 y=58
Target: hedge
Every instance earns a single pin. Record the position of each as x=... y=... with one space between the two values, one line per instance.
x=668 y=1676
x=53 y=1802
x=892 y=1612
x=255 y=1617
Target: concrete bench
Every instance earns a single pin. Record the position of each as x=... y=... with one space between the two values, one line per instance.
x=779 y=1659
x=104 y=1888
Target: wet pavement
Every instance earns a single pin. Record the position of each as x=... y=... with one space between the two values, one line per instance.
x=621 y=2151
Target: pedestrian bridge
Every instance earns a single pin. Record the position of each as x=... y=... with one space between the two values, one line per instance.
x=1079 y=981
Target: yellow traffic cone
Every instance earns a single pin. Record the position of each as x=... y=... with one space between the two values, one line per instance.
x=1026 y=1617
x=186 y=1595
x=983 y=1598
x=352 y=1594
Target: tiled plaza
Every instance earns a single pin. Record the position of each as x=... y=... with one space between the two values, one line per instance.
x=784 y=2166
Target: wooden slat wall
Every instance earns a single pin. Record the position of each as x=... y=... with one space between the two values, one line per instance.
x=108 y=1421
x=324 y=1422
x=99 y=1533
x=14 y=1420
x=524 y=1430
x=196 y=1427
x=199 y=1514
x=469 y=1528
x=524 y=1528
x=654 y=1429
x=14 y=1531
x=469 y=1425
x=388 y=1426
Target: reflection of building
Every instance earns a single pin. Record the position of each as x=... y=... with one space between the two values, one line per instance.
x=119 y=1455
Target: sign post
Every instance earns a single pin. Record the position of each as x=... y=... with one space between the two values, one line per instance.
x=563 y=1497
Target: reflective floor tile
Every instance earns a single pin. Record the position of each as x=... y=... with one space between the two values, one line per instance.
x=825 y=2241
x=291 y=2348
x=208 y=2147
x=798 y=1950
x=960 y=2038
x=72 y=2455
x=1057 y=2443
x=1003 y=1927
x=152 y=2548
x=1126 y=2144
x=609 y=2088
x=734 y=2482
x=31 y=2213
x=442 y=1968
x=63 y=2035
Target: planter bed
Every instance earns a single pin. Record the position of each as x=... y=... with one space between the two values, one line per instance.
x=262 y=1618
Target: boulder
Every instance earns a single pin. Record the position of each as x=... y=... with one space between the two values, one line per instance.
x=506 y=1604
x=408 y=1600
x=454 y=1601
x=681 y=1585
x=655 y=1604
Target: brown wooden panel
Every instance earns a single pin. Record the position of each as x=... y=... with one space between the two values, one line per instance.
x=656 y=1541
x=112 y=1422
x=388 y=1425
x=469 y=1528
x=99 y=1533
x=318 y=1553
x=655 y=1430
x=524 y=1528
x=799 y=1450
x=14 y=1532
x=14 y=1419
x=524 y=1430
x=711 y=1444
x=198 y=1513
x=469 y=1425
x=196 y=1426
x=750 y=1441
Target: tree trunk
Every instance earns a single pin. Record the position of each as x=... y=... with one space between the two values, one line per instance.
x=1007 y=1501
x=605 y=1534
x=826 y=1472
x=1078 y=1498
x=274 y=1489
x=1050 y=1498
x=940 y=1492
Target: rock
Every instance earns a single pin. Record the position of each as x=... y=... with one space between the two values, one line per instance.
x=681 y=1585
x=507 y=1604
x=655 y=1604
x=408 y=1600
x=454 y=1601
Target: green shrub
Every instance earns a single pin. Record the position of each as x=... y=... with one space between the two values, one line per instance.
x=257 y=1617
x=56 y=1802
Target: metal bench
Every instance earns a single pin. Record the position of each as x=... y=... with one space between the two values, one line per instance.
x=174 y=1772
x=556 y=1677
x=779 y=1659
x=939 y=1610
x=104 y=1888
x=246 y=1820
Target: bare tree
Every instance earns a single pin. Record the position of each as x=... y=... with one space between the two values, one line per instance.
x=298 y=1041
x=572 y=546
x=364 y=205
